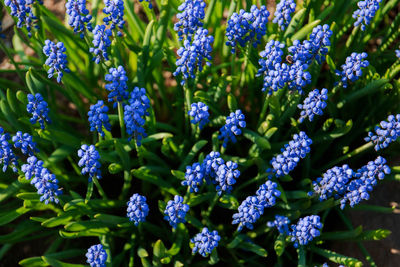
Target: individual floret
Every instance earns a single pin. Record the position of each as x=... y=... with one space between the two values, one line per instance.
x=96 y=256
x=248 y=213
x=283 y=13
x=78 y=16
x=89 y=161
x=387 y=133
x=190 y=18
x=234 y=122
x=267 y=194
x=193 y=177
x=101 y=42
x=25 y=142
x=365 y=12
x=313 y=104
x=352 y=69
x=39 y=110
x=199 y=112
x=114 y=9
x=205 y=241
x=7 y=156
x=98 y=118
x=226 y=177
x=281 y=223
x=175 y=211
x=56 y=59
x=137 y=209
x=305 y=230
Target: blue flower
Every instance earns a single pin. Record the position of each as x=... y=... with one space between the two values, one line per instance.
x=114 y=9
x=199 y=112
x=333 y=182
x=283 y=13
x=292 y=152
x=175 y=211
x=89 y=160
x=387 y=133
x=2 y=36
x=39 y=109
x=271 y=55
x=267 y=194
x=137 y=209
x=298 y=76
x=301 y=51
x=79 y=17
x=148 y=1
x=313 y=104
x=44 y=181
x=305 y=230
x=211 y=164
x=193 y=177
x=365 y=12
x=247 y=27
x=319 y=42
x=205 y=241
x=98 y=118
x=231 y=129
x=96 y=256
x=101 y=41
x=190 y=18
x=280 y=223
x=7 y=156
x=56 y=59
x=352 y=68
x=23 y=11
x=398 y=53
x=248 y=213
x=25 y=143
x=192 y=55
x=226 y=177
x=135 y=113
x=117 y=86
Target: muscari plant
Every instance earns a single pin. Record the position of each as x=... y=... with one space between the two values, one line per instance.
x=232 y=134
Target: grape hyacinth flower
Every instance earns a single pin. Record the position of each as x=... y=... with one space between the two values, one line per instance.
x=398 y=53
x=231 y=129
x=352 y=68
x=248 y=213
x=101 y=41
x=333 y=182
x=193 y=177
x=226 y=177
x=387 y=133
x=365 y=12
x=319 y=42
x=117 y=86
x=56 y=59
x=205 y=241
x=267 y=194
x=114 y=9
x=148 y=1
x=305 y=230
x=283 y=13
x=190 y=18
x=137 y=209
x=96 y=256
x=79 y=17
x=89 y=160
x=135 y=113
x=25 y=142
x=247 y=27
x=2 y=36
x=7 y=156
x=23 y=11
x=301 y=51
x=298 y=76
x=39 y=110
x=44 y=181
x=175 y=211
x=192 y=55
x=313 y=104
x=211 y=164
x=98 y=118
x=281 y=223
x=199 y=112
x=292 y=152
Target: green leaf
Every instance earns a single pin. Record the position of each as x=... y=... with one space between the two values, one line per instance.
x=342 y=234
x=250 y=246
x=178 y=174
x=377 y=234
x=111 y=219
x=12 y=101
x=144 y=174
x=297 y=18
x=213 y=257
x=196 y=199
x=337 y=258
x=195 y=149
x=85 y=225
x=60 y=154
x=29 y=196
x=229 y=202
x=260 y=141
x=236 y=241
x=57 y=263
x=62 y=219
x=34 y=85
x=115 y=168
x=159 y=249
x=142 y=253
x=232 y=104
x=155 y=137
x=301 y=34
x=279 y=245
x=10 y=190
x=12 y=215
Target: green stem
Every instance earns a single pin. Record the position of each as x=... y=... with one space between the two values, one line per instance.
x=246 y=62
x=89 y=191
x=105 y=242
x=127 y=184
x=9 y=55
x=187 y=94
x=302 y=257
x=212 y=205
x=121 y=119
x=263 y=110
x=138 y=152
x=99 y=188
x=349 y=155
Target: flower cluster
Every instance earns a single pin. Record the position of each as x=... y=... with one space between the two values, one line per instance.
x=114 y=9
x=23 y=11
x=39 y=110
x=193 y=177
x=313 y=104
x=298 y=76
x=79 y=17
x=267 y=194
x=231 y=129
x=25 y=142
x=205 y=241
x=138 y=209
x=7 y=156
x=199 y=112
x=283 y=12
x=281 y=223
x=192 y=55
x=175 y=211
x=292 y=152
x=190 y=18
x=365 y=12
x=386 y=133
x=351 y=70
x=98 y=118
x=211 y=164
x=135 y=113
x=247 y=27
x=305 y=230
x=117 y=86
x=56 y=59
x=101 y=41
x=96 y=256
x=44 y=181
x=89 y=160
x=333 y=182
x=226 y=177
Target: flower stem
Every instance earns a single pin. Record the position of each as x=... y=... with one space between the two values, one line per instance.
x=99 y=188
x=89 y=191
x=121 y=119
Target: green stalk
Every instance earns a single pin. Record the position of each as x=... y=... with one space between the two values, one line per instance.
x=356 y=151
x=89 y=192
x=99 y=188
x=121 y=119
x=263 y=110
x=188 y=102
x=211 y=207
x=127 y=184
x=21 y=76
